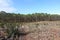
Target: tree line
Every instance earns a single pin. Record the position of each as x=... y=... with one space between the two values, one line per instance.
x=34 y=17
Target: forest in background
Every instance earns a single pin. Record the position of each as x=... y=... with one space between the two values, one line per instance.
x=34 y=17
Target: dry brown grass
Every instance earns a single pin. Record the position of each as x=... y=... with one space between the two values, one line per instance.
x=44 y=30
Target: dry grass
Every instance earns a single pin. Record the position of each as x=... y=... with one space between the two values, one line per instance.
x=44 y=30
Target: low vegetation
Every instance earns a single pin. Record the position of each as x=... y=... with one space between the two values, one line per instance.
x=35 y=17
x=15 y=26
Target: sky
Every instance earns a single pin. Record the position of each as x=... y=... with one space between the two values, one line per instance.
x=30 y=6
